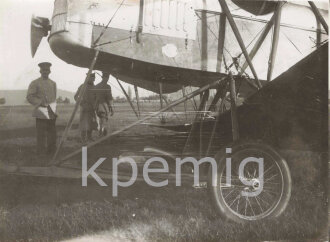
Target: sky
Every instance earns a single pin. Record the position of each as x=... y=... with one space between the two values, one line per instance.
x=17 y=67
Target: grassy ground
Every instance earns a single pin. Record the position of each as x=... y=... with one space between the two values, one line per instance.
x=48 y=209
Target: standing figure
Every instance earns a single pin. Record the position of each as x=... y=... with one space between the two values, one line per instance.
x=42 y=95
x=104 y=102
x=87 y=111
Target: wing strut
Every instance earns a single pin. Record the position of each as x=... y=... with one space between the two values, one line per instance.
x=140 y=24
x=128 y=99
x=162 y=118
x=137 y=99
x=203 y=100
x=319 y=16
x=216 y=98
x=238 y=36
x=172 y=109
x=185 y=102
x=318 y=33
x=175 y=103
x=69 y=125
x=234 y=121
x=276 y=33
x=259 y=42
x=221 y=40
x=221 y=94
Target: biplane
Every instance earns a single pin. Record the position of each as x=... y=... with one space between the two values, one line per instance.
x=229 y=46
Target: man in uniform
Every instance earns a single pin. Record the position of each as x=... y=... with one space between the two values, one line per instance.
x=87 y=110
x=104 y=102
x=42 y=95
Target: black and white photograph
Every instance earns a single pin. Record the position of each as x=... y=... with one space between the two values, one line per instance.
x=164 y=120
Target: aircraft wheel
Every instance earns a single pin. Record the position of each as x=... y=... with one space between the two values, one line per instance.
x=251 y=196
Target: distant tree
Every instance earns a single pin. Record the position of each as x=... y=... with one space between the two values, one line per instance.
x=2 y=101
x=59 y=99
x=151 y=97
x=120 y=99
x=66 y=101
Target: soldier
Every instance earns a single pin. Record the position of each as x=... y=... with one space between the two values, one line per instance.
x=104 y=102
x=87 y=111
x=42 y=95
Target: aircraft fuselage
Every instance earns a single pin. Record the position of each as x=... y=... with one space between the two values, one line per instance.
x=169 y=41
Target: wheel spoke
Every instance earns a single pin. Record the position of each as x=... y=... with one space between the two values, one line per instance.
x=249 y=175
x=271 y=177
x=267 y=170
x=251 y=206
x=256 y=198
x=263 y=200
x=234 y=200
x=254 y=173
x=237 y=205
x=271 y=194
x=271 y=188
x=230 y=201
x=229 y=193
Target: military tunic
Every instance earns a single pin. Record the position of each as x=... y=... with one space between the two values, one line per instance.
x=87 y=108
x=42 y=95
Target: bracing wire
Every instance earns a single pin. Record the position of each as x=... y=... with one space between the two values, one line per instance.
x=105 y=27
x=292 y=43
x=215 y=36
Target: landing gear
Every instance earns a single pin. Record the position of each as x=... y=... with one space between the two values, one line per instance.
x=271 y=185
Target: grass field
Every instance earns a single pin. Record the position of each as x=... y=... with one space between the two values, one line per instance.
x=49 y=209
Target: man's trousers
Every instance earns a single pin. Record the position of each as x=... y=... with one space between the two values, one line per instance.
x=46 y=135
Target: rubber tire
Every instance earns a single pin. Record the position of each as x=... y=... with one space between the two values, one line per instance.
x=217 y=199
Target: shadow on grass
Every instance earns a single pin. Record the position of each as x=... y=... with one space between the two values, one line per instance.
x=51 y=209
